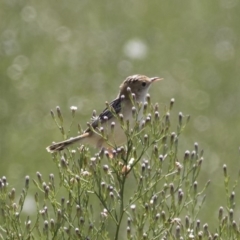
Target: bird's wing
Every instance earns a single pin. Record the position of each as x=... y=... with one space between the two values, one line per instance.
x=106 y=114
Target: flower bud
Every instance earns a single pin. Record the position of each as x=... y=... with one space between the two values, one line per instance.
x=59 y=216
x=67 y=230
x=129 y=90
x=63 y=163
x=133 y=207
x=178 y=230
x=62 y=202
x=232 y=197
x=205 y=229
x=186 y=155
x=173 y=135
x=195 y=187
x=180 y=117
x=172 y=103
x=122 y=97
x=148 y=98
x=134 y=97
x=105 y=168
x=145 y=107
x=73 y=109
x=235 y=227
x=94 y=114
x=171 y=189
x=45 y=227
x=163 y=215
x=215 y=236
x=27 y=182
x=52 y=114
x=111 y=194
x=121 y=118
x=225 y=170
x=52 y=225
x=59 y=114
x=134 y=112
x=105 y=118
x=187 y=222
x=12 y=194
x=81 y=220
x=128 y=232
x=231 y=215
x=47 y=192
x=36 y=197
x=77 y=232
x=156 y=115
x=112 y=126
x=167 y=119
x=198 y=225
x=220 y=213
x=146 y=139
x=51 y=178
x=180 y=196
x=145 y=236
x=39 y=176
x=106 y=153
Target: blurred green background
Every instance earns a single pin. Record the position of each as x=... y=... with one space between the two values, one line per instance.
x=76 y=53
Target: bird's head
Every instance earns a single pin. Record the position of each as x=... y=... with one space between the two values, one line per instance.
x=139 y=85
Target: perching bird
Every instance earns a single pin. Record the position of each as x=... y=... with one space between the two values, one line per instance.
x=137 y=85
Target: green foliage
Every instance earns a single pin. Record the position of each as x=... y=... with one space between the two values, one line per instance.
x=78 y=52
x=88 y=199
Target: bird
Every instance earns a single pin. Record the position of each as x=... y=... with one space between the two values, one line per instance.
x=135 y=86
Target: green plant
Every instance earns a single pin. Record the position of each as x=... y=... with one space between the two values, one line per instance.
x=143 y=190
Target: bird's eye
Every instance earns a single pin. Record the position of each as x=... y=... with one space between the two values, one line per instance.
x=143 y=84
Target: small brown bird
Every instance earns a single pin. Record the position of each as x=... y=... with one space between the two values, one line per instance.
x=139 y=86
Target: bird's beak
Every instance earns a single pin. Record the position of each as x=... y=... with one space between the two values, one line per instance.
x=155 y=79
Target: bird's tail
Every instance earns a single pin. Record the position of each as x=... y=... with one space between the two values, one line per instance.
x=56 y=147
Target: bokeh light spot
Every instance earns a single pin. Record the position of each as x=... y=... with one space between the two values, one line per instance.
x=135 y=49
x=22 y=61
x=228 y=3
x=63 y=34
x=4 y=108
x=224 y=51
x=29 y=206
x=212 y=164
x=9 y=43
x=28 y=13
x=200 y=100
x=124 y=67
x=201 y=123
x=15 y=72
